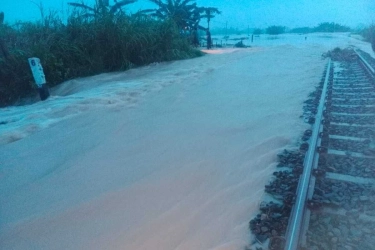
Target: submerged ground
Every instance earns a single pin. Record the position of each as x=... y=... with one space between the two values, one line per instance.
x=168 y=156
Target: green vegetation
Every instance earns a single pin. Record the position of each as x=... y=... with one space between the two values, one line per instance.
x=302 y=30
x=102 y=7
x=257 y=31
x=186 y=15
x=322 y=27
x=275 y=30
x=368 y=34
x=93 y=40
x=331 y=27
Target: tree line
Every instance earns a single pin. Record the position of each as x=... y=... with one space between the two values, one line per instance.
x=279 y=29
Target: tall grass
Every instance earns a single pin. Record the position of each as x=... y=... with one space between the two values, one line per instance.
x=84 y=46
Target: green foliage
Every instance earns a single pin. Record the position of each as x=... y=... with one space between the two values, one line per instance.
x=275 y=30
x=369 y=35
x=302 y=30
x=102 y=7
x=85 y=46
x=331 y=27
x=184 y=13
x=257 y=31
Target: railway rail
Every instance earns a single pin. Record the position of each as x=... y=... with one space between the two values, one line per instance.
x=333 y=209
x=328 y=192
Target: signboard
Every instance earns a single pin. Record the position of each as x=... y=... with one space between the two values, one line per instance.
x=37 y=70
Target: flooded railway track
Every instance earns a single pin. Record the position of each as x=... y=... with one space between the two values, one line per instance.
x=325 y=194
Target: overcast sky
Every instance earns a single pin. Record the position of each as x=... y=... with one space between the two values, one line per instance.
x=238 y=13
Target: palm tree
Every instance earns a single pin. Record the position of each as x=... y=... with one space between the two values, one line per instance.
x=102 y=7
x=181 y=12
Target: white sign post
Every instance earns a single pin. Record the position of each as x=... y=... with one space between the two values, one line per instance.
x=39 y=77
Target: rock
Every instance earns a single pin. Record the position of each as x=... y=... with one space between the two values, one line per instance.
x=344 y=231
x=352 y=221
x=263 y=217
x=276 y=216
x=327 y=220
x=334 y=240
x=313 y=217
x=363 y=198
x=336 y=232
x=261 y=238
x=367 y=230
x=324 y=246
x=370 y=213
x=352 y=212
x=264 y=229
x=355 y=233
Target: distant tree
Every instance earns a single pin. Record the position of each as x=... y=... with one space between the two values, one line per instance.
x=275 y=30
x=303 y=30
x=331 y=27
x=257 y=32
x=369 y=35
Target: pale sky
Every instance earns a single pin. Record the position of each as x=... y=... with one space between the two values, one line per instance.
x=238 y=13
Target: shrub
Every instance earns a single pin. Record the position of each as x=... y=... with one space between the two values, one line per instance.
x=369 y=35
x=84 y=46
x=331 y=27
x=303 y=30
x=257 y=31
x=275 y=30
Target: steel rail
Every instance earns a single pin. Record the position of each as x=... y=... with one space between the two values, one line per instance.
x=297 y=221
x=366 y=64
x=295 y=224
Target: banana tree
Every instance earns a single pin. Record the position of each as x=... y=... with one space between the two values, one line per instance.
x=184 y=13
x=102 y=7
x=181 y=12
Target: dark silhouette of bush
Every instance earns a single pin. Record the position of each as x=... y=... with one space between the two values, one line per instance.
x=369 y=35
x=302 y=30
x=257 y=31
x=331 y=27
x=275 y=30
